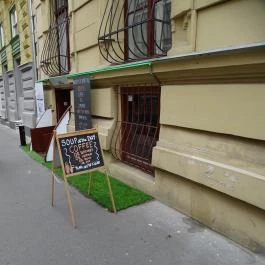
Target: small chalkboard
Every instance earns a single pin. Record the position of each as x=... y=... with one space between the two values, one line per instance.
x=80 y=151
x=82 y=103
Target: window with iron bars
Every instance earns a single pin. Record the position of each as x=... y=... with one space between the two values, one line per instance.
x=137 y=131
x=135 y=29
x=55 y=56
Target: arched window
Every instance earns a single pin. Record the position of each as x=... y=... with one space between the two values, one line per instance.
x=135 y=29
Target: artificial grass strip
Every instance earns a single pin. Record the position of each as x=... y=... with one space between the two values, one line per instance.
x=124 y=195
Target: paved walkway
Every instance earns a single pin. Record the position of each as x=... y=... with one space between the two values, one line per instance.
x=33 y=233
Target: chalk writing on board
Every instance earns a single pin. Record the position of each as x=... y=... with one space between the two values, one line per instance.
x=80 y=152
x=82 y=102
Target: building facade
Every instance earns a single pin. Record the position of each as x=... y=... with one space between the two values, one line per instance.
x=16 y=67
x=178 y=92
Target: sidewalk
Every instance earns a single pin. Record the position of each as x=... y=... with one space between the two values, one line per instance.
x=33 y=233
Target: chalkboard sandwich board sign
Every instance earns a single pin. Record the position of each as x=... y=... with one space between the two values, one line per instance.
x=82 y=99
x=80 y=152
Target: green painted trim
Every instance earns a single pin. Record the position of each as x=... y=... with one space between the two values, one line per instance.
x=107 y=69
x=3 y=56
x=2 y=49
x=15 y=43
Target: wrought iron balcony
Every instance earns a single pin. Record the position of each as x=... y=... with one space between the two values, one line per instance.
x=135 y=29
x=55 y=57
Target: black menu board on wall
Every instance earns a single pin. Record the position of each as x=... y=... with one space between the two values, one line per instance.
x=82 y=101
x=80 y=151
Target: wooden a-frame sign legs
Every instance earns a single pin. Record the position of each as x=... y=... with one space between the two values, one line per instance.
x=66 y=185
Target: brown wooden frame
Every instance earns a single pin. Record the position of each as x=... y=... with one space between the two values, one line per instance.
x=70 y=204
x=152 y=90
x=150 y=28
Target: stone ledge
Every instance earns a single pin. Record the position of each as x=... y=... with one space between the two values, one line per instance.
x=132 y=176
x=236 y=182
x=239 y=221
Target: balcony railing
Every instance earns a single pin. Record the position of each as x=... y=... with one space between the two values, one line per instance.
x=55 y=57
x=135 y=29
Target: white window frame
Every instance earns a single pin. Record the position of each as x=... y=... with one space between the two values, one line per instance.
x=2 y=40
x=13 y=18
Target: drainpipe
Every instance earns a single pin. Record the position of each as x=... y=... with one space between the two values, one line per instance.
x=32 y=40
x=72 y=14
x=34 y=63
x=153 y=75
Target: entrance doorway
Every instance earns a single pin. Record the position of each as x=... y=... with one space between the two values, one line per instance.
x=62 y=98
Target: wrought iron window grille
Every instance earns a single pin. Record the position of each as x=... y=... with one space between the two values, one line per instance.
x=137 y=131
x=135 y=29
x=55 y=56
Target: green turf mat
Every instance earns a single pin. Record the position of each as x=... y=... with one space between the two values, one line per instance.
x=124 y=195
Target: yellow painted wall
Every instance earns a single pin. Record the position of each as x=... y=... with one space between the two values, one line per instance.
x=89 y=58
x=236 y=109
x=85 y=22
x=23 y=30
x=233 y=218
x=103 y=103
x=41 y=12
x=199 y=25
x=198 y=4
x=50 y=103
x=226 y=164
x=231 y=23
